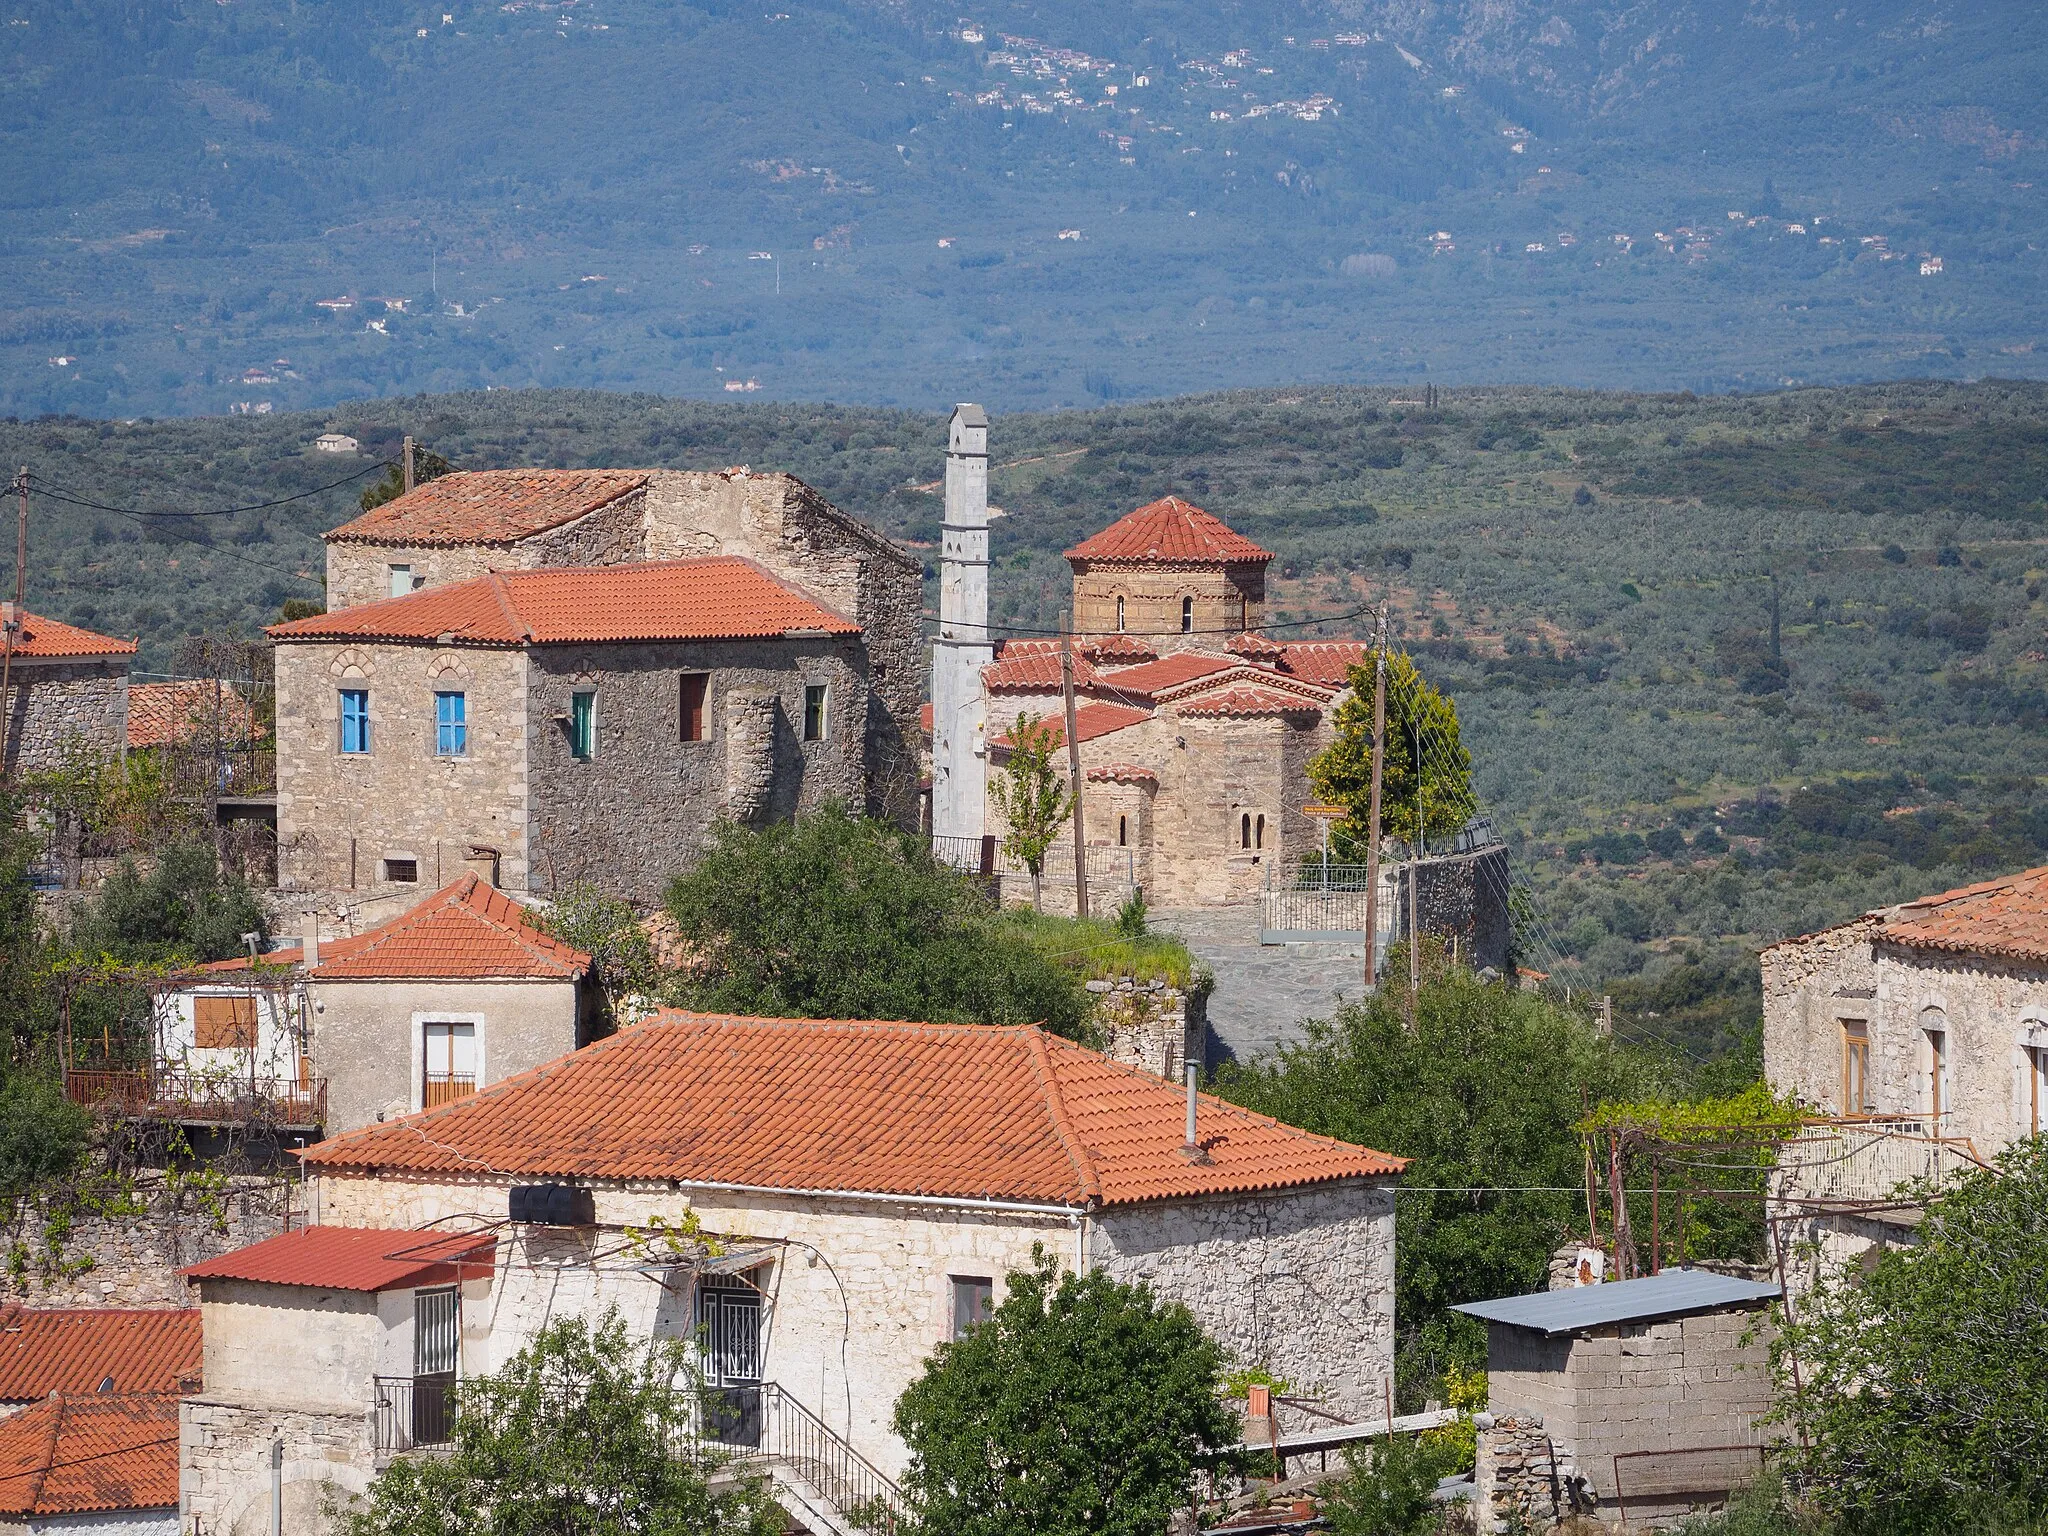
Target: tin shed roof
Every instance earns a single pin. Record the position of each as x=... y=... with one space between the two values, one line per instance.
x=1674 y=1293
x=350 y=1258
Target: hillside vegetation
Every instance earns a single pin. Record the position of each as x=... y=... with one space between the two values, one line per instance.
x=1729 y=667
x=273 y=204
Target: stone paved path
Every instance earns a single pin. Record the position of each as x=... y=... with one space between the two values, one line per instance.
x=1263 y=992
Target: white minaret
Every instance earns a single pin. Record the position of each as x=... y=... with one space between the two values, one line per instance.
x=962 y=649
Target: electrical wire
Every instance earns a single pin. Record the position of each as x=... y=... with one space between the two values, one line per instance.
x=43 y=487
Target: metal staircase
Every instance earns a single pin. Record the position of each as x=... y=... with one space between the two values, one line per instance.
x=817 y=1476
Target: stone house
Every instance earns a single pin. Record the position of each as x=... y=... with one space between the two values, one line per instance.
x=1638 y=1398
x=584 y=725
x=448 y=997
x=818 y=1203
x=462 y=525
x=66 y=687
x=91 y=1464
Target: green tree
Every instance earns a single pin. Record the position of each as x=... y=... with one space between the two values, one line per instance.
x=1424 y=757
x=184 y=909
x=1082 y=1405
x=609 y=930
x=1484 y=1094
x=1386 y=1491
x=1033 y=796
x=835 y=916
x=585 y=1432
x=27 y=1014
x=427 y=465
x=1923 y=1377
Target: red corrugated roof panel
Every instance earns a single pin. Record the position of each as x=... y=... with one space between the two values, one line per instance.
x=1170 y=531
x=47 y=639
x=725 y=598
x=352 y=1258
x=491 y=506
x=89 y=1455
x=968 y=1111
x=83 y=1349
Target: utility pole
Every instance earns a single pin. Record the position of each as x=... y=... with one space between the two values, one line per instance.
x=408 y=478
x=1372 y=847
x=12 y=620
x=1073 y=765
x=1415 y=871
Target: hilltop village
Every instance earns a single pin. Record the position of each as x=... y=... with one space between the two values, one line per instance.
x=469 y=1078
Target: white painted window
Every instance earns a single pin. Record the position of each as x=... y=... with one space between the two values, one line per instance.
x=448 y=1060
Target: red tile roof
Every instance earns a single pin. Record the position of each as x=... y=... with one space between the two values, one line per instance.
x=48 y=639
x=2007 y=916
x=1090 y=721
x=1249 y=699
x=726 y=598
x=468 y=931
x=164 y=714
x=353 y=1258
x=1328 y=662
x=82 y=1349
x=85 y=1455
x=1153 y=677
x=948 y=1110
x=1170 y=532
x=491 y=506
x=1125 y=648
x=1032 y=666
x=1123 y=773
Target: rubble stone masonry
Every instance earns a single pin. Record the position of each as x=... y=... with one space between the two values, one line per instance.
x=1225 y=600
x=52 y=703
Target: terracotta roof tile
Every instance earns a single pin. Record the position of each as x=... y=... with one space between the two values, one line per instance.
x=1249 y=699
x=726 y=598
x=2007 y=916
x=78 y=1349
x=1170 y=532
x=85 y=1455
x=1122 y=773
x=1090 y=721
x=1119 y=649
x=164 y=714
x=1153 y=677
x=353 y=1258
x=491 y=506
x=1328 y=662
x=948 y=1110
x=1033 y=666
x=42 y=638
x=468 y=931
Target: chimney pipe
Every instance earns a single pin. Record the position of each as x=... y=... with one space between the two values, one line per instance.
x=1191 y=1149
x=310 y=941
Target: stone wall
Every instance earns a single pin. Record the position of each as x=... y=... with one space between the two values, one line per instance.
x=1152 y=1025
x=1515 y=1475
x=1300 y=1282
x=640 y=811
x=224 y=1465
x=341 y=816
x=1992 y=1014
x=1227 y=600
x=133 y=1261
x=1462 y=899
x=51 y=703
x=367 y=1037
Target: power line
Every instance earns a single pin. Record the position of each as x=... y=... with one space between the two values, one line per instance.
x=77 y=499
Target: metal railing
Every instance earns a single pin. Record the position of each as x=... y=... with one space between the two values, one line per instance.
x=440 y=1088
x=1314 y=901
x=780 y=1435
x=1112 y=872
x=412 y=1413
x=201 y=1098
x=1871 y=1160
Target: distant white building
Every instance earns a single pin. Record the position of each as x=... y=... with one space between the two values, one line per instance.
x=335 y=442
x=1930 y=266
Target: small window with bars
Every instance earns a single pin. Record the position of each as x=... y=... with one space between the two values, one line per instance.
x=402 y=871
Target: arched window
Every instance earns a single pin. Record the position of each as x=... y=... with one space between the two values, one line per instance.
x=1259 y=833
x=1187 y=615
x=1123 y=831
x=1244 y=831
x=1244 y=612
x=1119 y=613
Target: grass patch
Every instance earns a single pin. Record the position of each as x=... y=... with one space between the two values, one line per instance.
x=1099 y=950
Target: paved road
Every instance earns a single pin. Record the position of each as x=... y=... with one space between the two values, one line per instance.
x=1263 y=992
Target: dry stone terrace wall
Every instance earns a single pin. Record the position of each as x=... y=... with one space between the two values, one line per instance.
x=341 y=816
x=1300 y=1282
x=636 y=814
x=52 y=703
x=1151 y=1025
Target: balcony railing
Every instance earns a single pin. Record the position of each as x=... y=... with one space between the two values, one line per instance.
x=1871 y=1160
x=440 y=1088
x=412 y=1413
x=202 y=1098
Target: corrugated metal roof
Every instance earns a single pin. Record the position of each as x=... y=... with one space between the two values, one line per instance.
x=76 y=1349
x=1674 y=1293
x=350 y=1258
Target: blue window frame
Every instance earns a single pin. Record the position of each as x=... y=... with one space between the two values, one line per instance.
x=355 y=720
x=451 y=725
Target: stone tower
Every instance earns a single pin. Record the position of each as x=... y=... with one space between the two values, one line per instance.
x=962 y=649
